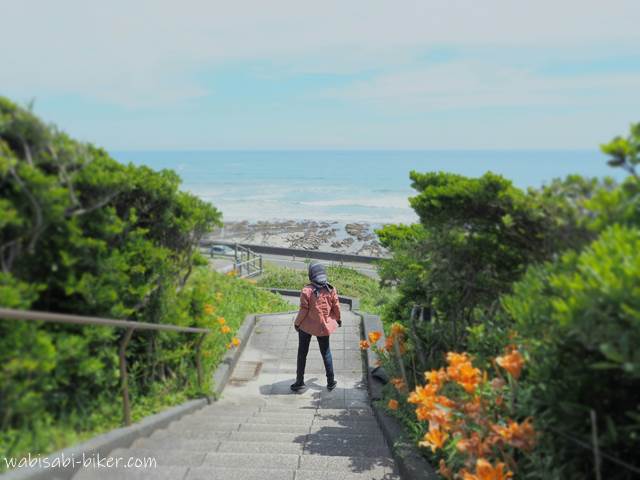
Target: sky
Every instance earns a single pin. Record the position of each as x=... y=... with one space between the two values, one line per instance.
x=349 y=74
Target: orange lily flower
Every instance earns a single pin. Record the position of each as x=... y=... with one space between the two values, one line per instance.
x=444 y=470
x=397 y=329
x=486 y=471
x=518 y=435
x=512 y=362
x=398 y=383
x=374 y=336
x=434 y=439
x=436 y=377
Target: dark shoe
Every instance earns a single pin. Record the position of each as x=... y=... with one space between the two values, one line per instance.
x=297 y=386
x=331 y=384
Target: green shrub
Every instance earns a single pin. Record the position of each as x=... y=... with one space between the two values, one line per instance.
x=475 y=238
x=81 y=233
x=580 y=322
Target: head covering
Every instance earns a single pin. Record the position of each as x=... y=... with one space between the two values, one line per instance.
x=318 y=277
x=317 y=273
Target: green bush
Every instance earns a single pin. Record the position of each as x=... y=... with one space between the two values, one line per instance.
x=81 y=233
x=475 y=238
x=579 y=319
x=553 y=270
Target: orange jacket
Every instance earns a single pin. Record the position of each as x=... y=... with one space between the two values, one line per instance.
x=319 y=315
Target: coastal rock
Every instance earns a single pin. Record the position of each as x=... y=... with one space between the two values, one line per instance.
x=355 y=237
x=344 y=244
x=360 y=230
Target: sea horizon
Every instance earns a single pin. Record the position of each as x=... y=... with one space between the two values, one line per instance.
x=348 y=185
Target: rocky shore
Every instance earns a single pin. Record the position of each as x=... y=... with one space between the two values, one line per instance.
x=355 y=238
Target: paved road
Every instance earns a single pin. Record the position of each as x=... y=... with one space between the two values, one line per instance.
x=260 y=430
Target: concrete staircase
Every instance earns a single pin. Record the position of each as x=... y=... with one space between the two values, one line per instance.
x=260 y=430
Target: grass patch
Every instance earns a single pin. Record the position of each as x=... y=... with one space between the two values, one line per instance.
x=233 y=299
x=348 y=282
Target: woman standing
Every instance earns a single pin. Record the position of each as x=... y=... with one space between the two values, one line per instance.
x=319 y=316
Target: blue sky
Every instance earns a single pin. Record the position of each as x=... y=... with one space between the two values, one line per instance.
x=456 y=74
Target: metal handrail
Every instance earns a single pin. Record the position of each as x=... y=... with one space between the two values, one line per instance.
x=12 y=314
x=246 y=257
x=31 y=315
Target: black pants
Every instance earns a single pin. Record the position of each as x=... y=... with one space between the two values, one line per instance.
x=303 y=348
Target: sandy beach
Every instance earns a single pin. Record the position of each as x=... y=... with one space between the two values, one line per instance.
x=330 y=236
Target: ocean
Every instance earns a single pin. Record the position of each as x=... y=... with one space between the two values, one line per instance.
x=347 y=186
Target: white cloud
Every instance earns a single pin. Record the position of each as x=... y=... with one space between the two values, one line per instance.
x=144 y=52
x=474 y=84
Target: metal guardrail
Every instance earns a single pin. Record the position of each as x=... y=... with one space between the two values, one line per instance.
x=297 y=253
x=247 y=263
x=30 y=315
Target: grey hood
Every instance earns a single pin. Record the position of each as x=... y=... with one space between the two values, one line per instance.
x=318 y=278
x=318 y=274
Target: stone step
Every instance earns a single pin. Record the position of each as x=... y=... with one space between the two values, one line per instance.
x=268 y=427
x=260 y=447
x=346 y=413
x=344 y=419
x=271 y=420
x=279 y=415
x=163 y=458
x=204 y=473
x=267 y=437
x=204 y=446
x=281 y=408
x=213 y=414
x=189 y=434
x=160 y=473
x=219 y=473
x=232 y=408
x=319 y=475
x=181 y=425
x=345 y=463
x=359 y=428
x=265 y=417
x=266 y=461
x=344 y=441
x=284 y=408
x=189 y=445
x=331 y=449
x=313 y=467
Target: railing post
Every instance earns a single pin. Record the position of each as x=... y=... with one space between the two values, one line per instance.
x=422 y=360
x=396 y=348
x=199 y=372
x=124 y=377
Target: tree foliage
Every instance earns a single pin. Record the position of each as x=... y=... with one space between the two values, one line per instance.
x=82 y=233
x=554 y=270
